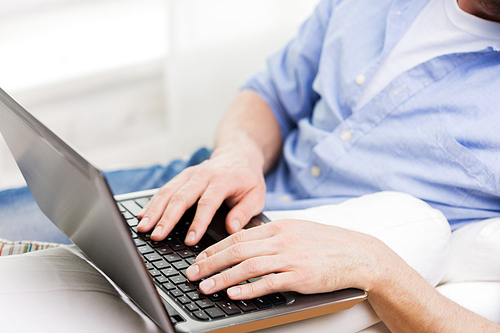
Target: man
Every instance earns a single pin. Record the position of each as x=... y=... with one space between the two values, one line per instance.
x=370 y=96
x=352 y=106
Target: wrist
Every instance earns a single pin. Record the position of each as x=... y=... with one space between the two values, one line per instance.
x=242 y=148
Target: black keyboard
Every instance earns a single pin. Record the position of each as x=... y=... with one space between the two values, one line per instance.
x=167 y=262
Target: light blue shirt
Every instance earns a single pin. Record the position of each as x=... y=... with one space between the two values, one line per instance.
x=433 y=132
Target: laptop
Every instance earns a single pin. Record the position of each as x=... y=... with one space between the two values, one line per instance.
x=75 y=196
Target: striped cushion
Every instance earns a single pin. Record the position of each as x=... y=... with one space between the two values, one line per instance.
x=8 y=248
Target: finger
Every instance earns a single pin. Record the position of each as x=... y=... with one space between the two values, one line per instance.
x=269 y=284
x=179 y=203
x=251 y=205
x=155 y=208
x=231 y=256
x=253 y=234
x=208 y=204
x=251 y=268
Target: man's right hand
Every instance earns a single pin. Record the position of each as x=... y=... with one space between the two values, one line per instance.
x=248 y=144
x=231 y=174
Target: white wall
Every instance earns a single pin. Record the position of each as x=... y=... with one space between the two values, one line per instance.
x=135 y=82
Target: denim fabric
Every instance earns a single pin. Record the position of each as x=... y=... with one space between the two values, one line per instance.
x=21 y=219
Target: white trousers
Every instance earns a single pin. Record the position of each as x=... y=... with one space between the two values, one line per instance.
x=56 y=290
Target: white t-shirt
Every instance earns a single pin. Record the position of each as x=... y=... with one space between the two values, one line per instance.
x=441 y=28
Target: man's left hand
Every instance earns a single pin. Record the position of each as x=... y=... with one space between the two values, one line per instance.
x=305 y=257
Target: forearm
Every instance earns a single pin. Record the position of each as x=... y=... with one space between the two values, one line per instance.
x=250 y=127
x=407 y=303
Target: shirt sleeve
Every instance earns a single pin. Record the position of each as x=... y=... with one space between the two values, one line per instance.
x=286 y=83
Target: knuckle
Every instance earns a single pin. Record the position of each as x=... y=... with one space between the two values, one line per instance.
x=250 y=288
x=178 y=198
x=223 y=278
x=251 y=266
x=211 y=251
x=208 y=264
x=205 y=201
x=237 y=250
x=272 y=282
x=237 y=237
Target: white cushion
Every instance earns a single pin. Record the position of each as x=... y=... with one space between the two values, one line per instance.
x=482 y=298
x=409 y=226
x=474 y=253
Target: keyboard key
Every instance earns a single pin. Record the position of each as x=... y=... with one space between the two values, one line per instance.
x=180 y=265
x=215 y=313
x=261 y=302
x=131 y=206
x=133 y=222
x=152 y=256
x=169 y=271
x=191 y=307
x=142 y=201
x=183 y=300
x=187 y=287
x=245 y=306
x=122 y=209
x=191 y=261
x=161 y=279
x=127 y=215
x=153 y=243
x=169 y=239
x=165 y=249
x=172 y=257
x=146 y=236
x=195 y=295
x=197 y=248
x=200 y=315
x=161 y=264
x=217 y=297
x=154 y=272
x=179 y=234
x=186 y=253
x=167 y=286
x=228 y=307
x=178 y=279
x=139 y=242
x=277 y=298
x=145 y=249
x=177 y=246
x=176 y=293
x=205 y=303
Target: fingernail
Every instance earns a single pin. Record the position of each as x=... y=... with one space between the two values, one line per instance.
x=206 y=285
x=192 y=271
x=157 y=231
x=236 y=225
x=234 y=291
x=190 y=237
x=143 y=222
x=201 y=256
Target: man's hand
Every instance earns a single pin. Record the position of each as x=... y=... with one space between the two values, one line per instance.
x=304 y=256
x=232 y=174
x=248 y=143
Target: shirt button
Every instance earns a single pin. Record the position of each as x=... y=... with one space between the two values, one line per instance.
x=286 y=198
x=346 y=135
x=360 y=79
x=315 y=171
